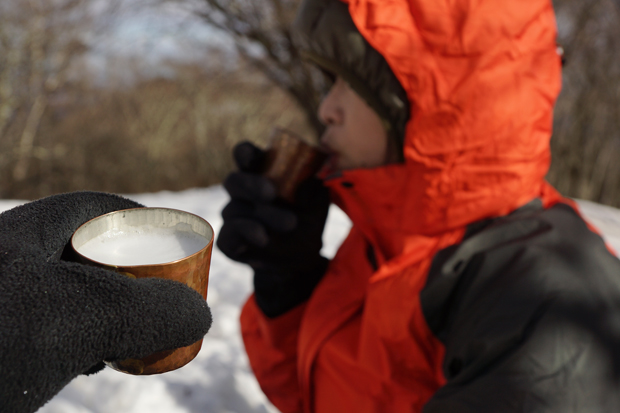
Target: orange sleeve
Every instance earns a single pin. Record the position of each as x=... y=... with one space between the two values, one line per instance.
x=271 y=346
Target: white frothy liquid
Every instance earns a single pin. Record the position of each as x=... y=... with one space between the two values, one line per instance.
x=143 y=246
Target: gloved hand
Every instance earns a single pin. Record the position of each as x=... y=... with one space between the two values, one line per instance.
x=279 y=240
x=59 y=319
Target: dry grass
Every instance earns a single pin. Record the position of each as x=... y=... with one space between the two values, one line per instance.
x=162 y=134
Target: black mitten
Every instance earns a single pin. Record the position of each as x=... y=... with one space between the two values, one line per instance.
x=59 y=319
x=279 y=240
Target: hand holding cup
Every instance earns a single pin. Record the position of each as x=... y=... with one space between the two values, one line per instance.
x=61 y=319
x=275 y=219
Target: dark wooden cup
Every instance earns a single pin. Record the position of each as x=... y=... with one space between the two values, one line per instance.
x=290 y=161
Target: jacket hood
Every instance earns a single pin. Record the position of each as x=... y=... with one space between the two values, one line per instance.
x=326 y=35
x=481 y=79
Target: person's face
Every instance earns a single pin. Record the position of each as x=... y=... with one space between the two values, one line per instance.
x=355 y=136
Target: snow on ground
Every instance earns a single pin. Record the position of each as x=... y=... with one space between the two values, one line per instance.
x=219 y=379
x=606 y=219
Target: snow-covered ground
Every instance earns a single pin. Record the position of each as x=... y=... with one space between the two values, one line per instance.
x=606 y=219
x=218 y=380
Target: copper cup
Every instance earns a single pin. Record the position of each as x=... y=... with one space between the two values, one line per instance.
x=290 y=161
x=191 y=267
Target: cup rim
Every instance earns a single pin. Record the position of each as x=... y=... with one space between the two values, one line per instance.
x=209 y=243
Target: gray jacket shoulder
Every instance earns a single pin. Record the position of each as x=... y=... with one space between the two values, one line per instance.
x=528 y=307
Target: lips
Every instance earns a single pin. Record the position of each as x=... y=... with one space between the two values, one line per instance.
x=330 y=166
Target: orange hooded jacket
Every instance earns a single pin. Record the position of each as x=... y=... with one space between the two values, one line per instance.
x=482 y=78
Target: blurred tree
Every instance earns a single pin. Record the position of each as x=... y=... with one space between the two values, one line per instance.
x=39 y=39
x=586 y=139
x=261 y=31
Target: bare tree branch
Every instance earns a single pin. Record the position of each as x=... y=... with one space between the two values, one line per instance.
x=261 y=31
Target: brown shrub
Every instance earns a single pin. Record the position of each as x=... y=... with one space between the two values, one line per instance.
x=160 y=134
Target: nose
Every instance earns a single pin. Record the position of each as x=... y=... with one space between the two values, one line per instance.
x=329 y=111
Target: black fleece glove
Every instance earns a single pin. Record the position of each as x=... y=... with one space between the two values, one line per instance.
x=59 y=319
x=279 y=240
